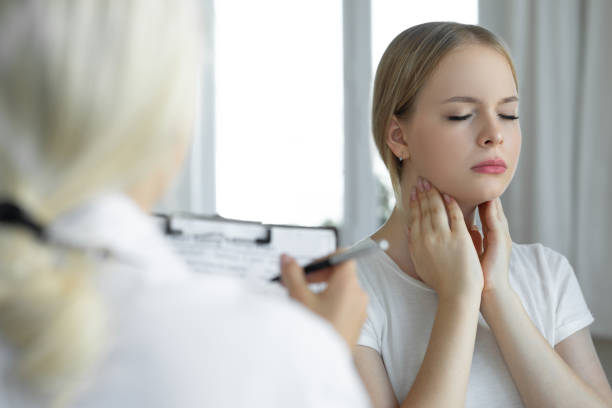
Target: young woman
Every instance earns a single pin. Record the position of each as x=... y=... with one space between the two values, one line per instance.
x=97 y=101
x=455 y=318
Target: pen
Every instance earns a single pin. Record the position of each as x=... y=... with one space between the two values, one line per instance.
x=341 y=257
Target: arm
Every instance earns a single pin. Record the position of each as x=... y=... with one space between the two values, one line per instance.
x=443 y=376
x=445 y=259
x=542 y=377
x=373 y=373
x=579 y=353
x=343 y=303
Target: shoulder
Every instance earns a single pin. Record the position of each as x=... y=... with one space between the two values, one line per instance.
x=375 y=275
x=536 y=252
x=540 y=260
x=228 y=306
x=549 y=290
x=540 y=276
x=221 y=333
x=373 y=268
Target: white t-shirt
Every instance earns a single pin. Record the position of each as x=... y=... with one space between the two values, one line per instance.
x=402 y=310
x=180 y=339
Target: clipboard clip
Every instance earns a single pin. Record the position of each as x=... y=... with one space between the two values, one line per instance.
x=166 y=223
x=267 y=239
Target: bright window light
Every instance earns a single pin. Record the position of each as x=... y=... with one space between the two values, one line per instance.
x=278 y=108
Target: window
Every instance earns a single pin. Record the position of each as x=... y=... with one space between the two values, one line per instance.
x=278 y=109
x=278 y=102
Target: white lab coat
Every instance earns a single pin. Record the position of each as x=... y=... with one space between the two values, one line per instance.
x=181 y=339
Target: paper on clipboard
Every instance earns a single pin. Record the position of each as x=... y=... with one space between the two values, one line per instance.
x=250 y=250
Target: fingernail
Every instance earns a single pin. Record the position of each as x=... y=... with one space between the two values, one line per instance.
x=427 y=185
x=413 y=194
x=446 y=198
x=420 y=185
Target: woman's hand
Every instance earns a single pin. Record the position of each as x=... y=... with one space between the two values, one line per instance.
x=440 y=246
x=496 y=246
x=343 y=303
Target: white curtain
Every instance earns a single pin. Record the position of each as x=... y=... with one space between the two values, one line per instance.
x=561 y=191
x=360 y=189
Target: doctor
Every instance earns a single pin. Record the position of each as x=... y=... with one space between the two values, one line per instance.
x=97 y=103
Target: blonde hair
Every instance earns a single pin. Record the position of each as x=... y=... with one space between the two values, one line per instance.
x=93 y=96
x=405 y=67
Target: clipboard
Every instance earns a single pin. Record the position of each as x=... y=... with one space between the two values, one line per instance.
x=245 y=249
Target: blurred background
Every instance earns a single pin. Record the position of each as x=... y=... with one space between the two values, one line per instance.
x=284 y=127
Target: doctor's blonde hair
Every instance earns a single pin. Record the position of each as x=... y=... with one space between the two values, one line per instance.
x=94 y=94
x=406 y=65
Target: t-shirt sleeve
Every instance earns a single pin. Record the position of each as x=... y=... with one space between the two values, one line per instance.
x=369 y=335
x=372 y=328
x=572 y=312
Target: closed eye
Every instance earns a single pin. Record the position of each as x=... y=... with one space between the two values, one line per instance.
x=464 y=117
x=508 y=117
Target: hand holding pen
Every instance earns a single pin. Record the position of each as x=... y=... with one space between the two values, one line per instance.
x=343 y=303
x=341 y=256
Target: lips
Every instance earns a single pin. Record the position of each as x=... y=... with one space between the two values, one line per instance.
x=494 y=166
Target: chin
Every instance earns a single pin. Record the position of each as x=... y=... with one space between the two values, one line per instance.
x=479 y=194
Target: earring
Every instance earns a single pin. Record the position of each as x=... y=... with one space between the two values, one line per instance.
x=401 y=159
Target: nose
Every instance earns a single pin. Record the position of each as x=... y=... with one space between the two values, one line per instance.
x=490 y=135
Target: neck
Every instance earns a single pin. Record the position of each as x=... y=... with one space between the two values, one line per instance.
x=394 y=231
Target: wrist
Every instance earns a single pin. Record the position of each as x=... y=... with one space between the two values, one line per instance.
x=500 y=291
x=460 y=300
x=496 y=299
x=462 y=292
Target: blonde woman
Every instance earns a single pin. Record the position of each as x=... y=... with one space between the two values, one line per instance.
x=97 y=102
x=453 y=322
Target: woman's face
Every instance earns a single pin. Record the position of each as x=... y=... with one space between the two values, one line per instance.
x=464 y=116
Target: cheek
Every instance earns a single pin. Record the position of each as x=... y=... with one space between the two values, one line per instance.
x=439 y=153
x=514 y=147
x=519 y=141
x=439 y=159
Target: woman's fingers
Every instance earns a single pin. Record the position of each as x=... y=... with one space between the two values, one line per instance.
x=319 y=276
x=343 y=303
x=436 y=210
x=433 y=210
x=500 y=211
x=441 y=250
x=415 y=216
x=493 y=215
x=292 y=276
x=322 y=275
x=494 y=223
x=476 y=239
x=455 y=215
x=424 y=204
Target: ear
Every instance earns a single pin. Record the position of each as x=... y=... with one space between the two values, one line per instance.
x=397 y=140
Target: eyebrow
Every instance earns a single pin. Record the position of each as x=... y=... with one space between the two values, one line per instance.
x=469 y=99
